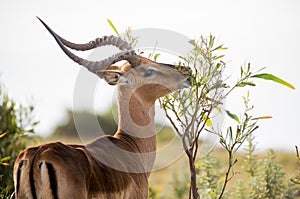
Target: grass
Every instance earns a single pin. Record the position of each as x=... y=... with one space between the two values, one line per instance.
x=165 y=181
x=172 y=180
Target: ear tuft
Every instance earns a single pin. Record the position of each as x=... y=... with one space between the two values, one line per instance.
x=113 y=73
x=111 y=77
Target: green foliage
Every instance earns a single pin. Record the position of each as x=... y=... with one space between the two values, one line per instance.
x=272 y=176
x=250 y=164
x=16 y=121
x=271 y=77
x=208 y=178
x=239 y=192
x=153 y=193
x=68 y=130
x=127 y=36
x=190 y=110
x=263 y=177
x=267 y=180
x=180 y=185
x=295 y=180
x=113 y=26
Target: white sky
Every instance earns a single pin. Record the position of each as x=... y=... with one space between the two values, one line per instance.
x=265 y=33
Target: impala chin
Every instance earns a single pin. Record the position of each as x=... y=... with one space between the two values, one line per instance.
x=185 y=84
x=114 y=167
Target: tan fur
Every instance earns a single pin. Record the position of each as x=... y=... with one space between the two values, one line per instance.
x=110 y=167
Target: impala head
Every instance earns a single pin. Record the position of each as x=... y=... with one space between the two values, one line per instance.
x=140 y=74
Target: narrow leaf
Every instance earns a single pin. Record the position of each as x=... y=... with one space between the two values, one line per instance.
x=271 y=77
x=181 y=57
x=233 y=116
x=2 y=135
x=211 y=41
x=156 y=56
x=219 y=57
x=224 y=48
x=248 y=68
x=243 y=84
x=5 y=164
x=219 y=110
x=220 y=48
x=262 y=117
x=113 y=26
x=5 y=159
x=193 y=42
x=242 y=71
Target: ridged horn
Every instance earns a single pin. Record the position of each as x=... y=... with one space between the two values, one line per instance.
x=97 y=67
x=106 y=40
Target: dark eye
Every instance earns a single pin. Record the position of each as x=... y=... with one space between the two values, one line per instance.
x=149 y=72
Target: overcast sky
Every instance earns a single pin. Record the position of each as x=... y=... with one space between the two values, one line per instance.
x=265 y=33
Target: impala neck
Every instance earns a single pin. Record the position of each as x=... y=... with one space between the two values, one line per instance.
x=136 y=119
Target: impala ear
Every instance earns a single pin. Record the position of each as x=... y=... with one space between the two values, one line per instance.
x=111 y=76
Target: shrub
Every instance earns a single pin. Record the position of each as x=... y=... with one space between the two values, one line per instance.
x=190 y=111
x=16 y=122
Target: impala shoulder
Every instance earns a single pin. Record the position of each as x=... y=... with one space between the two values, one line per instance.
x=27 y=154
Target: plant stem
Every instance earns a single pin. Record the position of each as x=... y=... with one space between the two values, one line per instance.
x=193 y=183
x=230 y=164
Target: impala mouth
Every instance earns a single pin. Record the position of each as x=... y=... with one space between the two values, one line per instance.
x=186 y=83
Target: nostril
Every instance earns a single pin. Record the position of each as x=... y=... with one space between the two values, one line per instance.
x=189 y=79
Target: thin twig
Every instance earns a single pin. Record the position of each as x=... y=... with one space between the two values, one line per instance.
x=227 y=179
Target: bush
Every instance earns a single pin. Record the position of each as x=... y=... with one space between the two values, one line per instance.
x=255 y=176
x=190 y=111
x=16 y=122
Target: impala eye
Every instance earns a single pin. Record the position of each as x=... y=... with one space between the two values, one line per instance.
x=149 y=72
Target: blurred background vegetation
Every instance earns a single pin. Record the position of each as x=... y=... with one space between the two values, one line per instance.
x=17 y=122
x=66 y=131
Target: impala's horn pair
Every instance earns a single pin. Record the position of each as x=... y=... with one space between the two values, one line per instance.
x=97 y=67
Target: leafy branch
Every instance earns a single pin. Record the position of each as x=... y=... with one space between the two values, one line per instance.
x=191 y=111
x=233 y=139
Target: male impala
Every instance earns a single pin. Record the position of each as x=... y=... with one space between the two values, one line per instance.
x=111 y=167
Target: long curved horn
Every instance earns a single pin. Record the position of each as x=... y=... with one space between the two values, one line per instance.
x=96 y=67
x=106 y=40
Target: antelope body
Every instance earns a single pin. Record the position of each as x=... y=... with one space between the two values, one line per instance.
x=109 y=167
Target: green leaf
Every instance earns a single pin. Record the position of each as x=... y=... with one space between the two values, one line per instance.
x=156 y=56
x=243 y=84
x=211 y=41
x=5 y=159
x=262 y=117
x=2 y=135
x=113 y=26
x=233 y=116
x=219 y=57
x=5 y=164
x=248 y=68
x=242 y=71
x=271 y=77
x=219 y=110
x=208 y=121
x=220 y=48
x=182 y=57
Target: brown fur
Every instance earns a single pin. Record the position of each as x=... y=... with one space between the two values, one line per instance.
x=110 y=167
